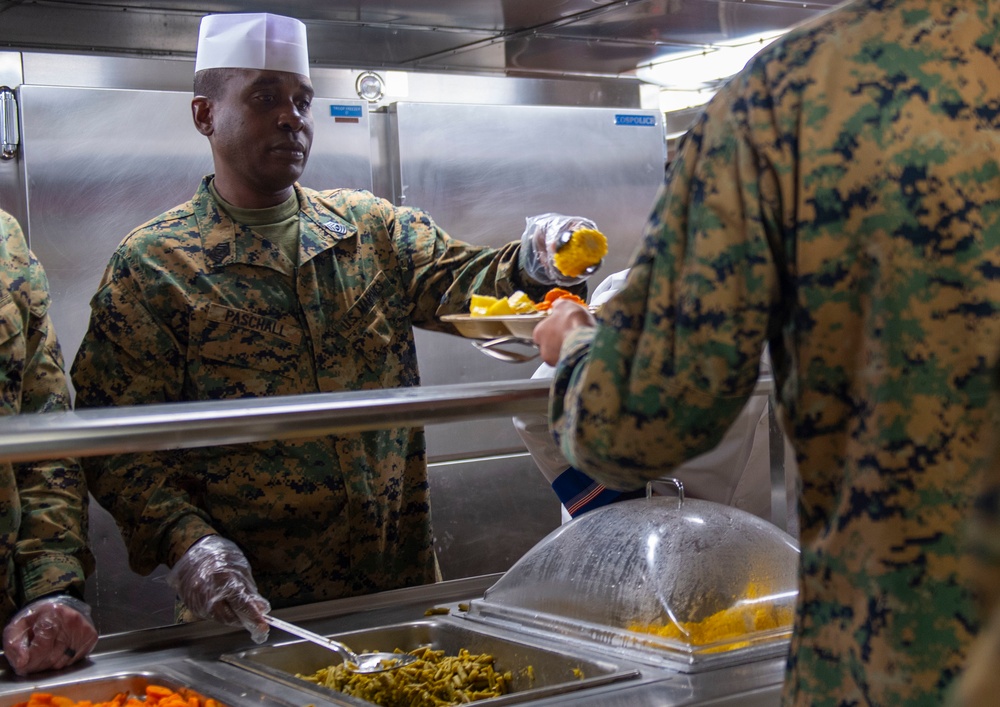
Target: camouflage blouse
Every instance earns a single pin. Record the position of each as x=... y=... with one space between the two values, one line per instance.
x=840 y=201
x=43 y=520
x=194 y=306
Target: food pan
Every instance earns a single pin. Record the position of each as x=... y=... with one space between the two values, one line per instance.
x=104 y=688
x=536 y=672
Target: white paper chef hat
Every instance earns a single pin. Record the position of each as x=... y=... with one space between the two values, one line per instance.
x=255 y=40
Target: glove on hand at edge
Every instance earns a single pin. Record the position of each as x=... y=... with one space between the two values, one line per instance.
x=49 y=634
x=214 y=580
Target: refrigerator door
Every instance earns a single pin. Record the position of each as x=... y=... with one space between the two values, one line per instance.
x=480 y=170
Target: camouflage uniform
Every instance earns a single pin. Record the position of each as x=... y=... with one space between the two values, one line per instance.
x=979 y=684
x=839 y=199
x=194 y=306
x=43 y=517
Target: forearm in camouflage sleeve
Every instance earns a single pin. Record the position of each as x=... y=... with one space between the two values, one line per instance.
x=980 y=680
x=446 y=272
x=676 y=353
x=147 y=496
x=51 y=553
x=984 y=546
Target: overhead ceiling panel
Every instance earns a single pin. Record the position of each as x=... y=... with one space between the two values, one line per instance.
x=563 y=37
x=103 y=30
x=694 y=22
x=496 y=16
x=626 y=36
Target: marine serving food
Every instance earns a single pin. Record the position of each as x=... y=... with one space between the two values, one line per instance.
x=433 y=680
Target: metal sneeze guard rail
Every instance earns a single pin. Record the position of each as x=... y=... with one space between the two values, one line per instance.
x=96 y=432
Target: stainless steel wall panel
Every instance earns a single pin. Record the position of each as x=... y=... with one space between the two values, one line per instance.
x=10 y=69
x=487 y=513
x=481 y=170
x=100 y=163
x=97 y=71
x=174 y=74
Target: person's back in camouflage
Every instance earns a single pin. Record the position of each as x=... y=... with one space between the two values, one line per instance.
x=840 y=200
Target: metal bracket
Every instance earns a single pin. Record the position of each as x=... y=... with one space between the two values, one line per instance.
x=653 y=486
x=9 y=134
x=493 y=348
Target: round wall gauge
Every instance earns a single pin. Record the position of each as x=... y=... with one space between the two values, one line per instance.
x=370 y=86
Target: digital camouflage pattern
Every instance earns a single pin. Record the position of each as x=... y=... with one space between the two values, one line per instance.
x=42 y=504
x=979 y=684
x=840 y=200
x=196 y=307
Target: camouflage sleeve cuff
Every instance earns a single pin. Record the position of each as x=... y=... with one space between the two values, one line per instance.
x=984 y=531
x=574 y=349
x=49 y=573
x=188 y=530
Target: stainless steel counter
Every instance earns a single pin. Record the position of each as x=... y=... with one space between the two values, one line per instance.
x=189 y=656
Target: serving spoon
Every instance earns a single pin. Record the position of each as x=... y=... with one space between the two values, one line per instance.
x=357 y=663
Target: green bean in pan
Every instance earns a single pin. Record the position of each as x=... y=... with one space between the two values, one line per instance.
x=433 y=680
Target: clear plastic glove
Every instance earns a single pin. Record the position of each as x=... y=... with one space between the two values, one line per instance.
x=214 y=581
x=543 y=236
x=49 y=634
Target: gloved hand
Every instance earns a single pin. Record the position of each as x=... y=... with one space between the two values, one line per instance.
x=214 y=581
x=543 y=237
x=49 y=634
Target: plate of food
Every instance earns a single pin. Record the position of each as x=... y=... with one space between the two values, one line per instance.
x=516 y=315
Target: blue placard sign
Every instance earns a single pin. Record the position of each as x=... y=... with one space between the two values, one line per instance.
x=626 y=119
x=342 y=111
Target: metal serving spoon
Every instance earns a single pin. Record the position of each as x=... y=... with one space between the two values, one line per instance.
x=357 y=663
